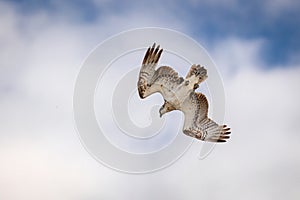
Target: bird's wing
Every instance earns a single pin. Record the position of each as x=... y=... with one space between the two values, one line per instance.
x=151 y=80
x=166 y=77
x=150 y=62
x=148 y=69
x=197 y=124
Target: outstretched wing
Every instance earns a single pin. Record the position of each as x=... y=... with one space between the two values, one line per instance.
x=197 y=124
x=149 y=62
x=161 y=80
x=164 y=80
x=148 y=68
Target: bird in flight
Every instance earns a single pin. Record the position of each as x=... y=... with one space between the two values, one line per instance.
x=179 y=94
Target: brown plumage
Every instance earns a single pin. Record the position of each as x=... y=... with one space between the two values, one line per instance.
x=179 y=94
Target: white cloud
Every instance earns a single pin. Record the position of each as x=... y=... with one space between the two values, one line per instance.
x=40 y=153
x=233 y=55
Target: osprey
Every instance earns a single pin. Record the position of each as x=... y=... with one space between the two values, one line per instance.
x=179 y=94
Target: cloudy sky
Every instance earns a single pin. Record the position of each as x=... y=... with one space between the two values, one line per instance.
x=255 y=45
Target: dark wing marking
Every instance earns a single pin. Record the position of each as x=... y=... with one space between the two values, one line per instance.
x=148 y=69
x=162 y=80
x=149 y=63
x=165 y=73
x=197 y=123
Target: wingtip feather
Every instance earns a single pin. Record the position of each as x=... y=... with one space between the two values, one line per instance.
x=152 y=55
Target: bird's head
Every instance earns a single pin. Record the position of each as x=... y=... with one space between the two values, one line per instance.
x=162 y=111
x=167 y=107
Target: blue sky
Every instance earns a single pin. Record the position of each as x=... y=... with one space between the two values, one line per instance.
x=255 y=45
x=277 y=23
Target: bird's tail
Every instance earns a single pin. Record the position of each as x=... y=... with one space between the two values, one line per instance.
x=200 y=73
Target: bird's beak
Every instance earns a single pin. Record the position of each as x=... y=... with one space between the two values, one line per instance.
x=160 y=114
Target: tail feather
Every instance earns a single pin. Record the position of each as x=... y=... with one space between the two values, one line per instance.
x=197 y=71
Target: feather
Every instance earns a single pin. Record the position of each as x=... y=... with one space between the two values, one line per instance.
x=179 y=94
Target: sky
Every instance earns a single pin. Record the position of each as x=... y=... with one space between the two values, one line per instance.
x=255 y=47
